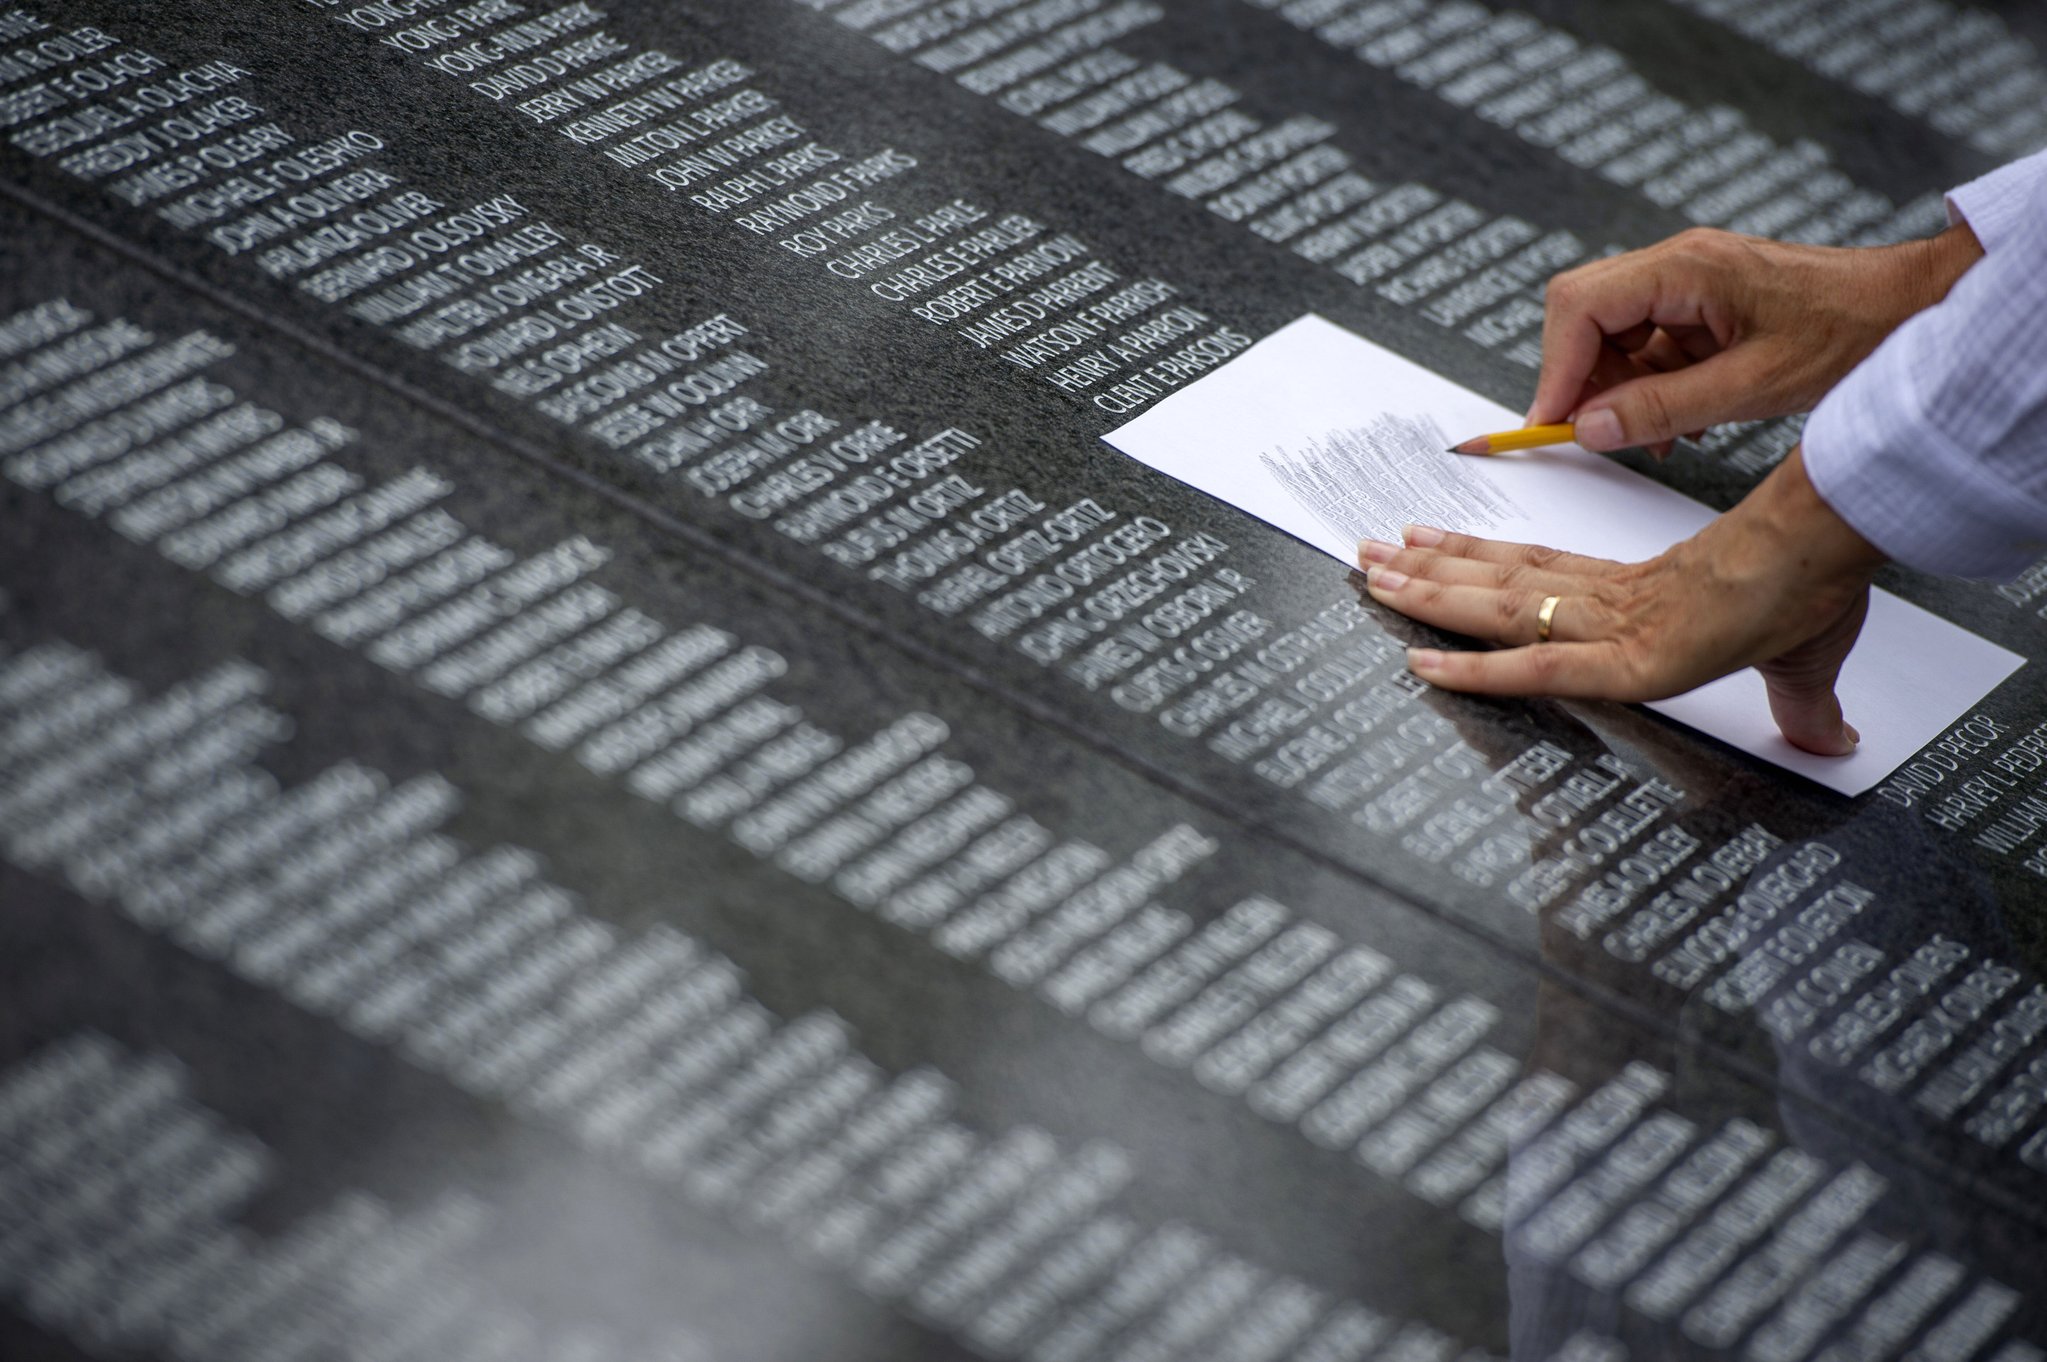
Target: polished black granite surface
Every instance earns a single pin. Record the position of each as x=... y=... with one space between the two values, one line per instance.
x=596 y=761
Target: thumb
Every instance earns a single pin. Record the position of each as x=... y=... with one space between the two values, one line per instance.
x=1801 y=685
x=1658 y=407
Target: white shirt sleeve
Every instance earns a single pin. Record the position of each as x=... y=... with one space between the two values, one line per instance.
x=1935 y=447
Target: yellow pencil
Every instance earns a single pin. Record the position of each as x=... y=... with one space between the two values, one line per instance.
x=1531 y=437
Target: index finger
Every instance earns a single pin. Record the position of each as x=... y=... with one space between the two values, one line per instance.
x=1582 y=308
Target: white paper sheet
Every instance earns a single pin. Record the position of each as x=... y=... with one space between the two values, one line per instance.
x=1332 y=439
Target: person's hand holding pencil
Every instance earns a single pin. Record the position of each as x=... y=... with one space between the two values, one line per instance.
x=1709 y=326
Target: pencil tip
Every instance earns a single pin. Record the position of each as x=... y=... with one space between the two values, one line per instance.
x=1478 y=446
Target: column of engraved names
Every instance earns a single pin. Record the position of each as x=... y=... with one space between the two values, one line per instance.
x=1587 y=105
x=741 y=158
x=344 y=894
x=1055 y=64
x=1960 y=68
x=501 y=294
x=437 y=949
x=94 y=1133
x=814 y=477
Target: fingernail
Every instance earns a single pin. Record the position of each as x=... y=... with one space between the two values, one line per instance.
x=1422 y=536
x=1423 y=660
x=1529 y=418
x=1853 y=736
x=1600 y=430
x=1377 y=551
x=1386 y=579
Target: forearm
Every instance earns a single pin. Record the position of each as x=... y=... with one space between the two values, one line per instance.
x=1922 y=273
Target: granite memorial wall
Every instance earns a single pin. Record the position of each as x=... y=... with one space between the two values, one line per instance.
x=597 y=762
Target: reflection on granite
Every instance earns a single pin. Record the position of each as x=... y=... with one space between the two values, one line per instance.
x=595 y=761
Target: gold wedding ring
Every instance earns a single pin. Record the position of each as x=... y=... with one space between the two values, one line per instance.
x=1544 y=617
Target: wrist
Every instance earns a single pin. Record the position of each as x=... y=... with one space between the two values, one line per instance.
x=1806 y=529
x=1923 y=271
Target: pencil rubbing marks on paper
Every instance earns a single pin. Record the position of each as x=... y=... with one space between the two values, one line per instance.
x=1368 y=481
